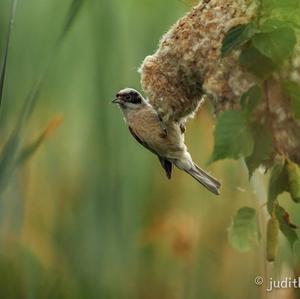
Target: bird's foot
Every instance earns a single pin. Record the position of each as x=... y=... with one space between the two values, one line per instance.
x=182 y=128
x=164 y=132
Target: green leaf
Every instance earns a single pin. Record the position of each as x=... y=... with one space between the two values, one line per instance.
x=286 y=227
x=292 y=90
x=286 y=5
x=256 y=63
x=277 y=185
x=250 y=99
x=237 y=36
x=263 y=148
x=273 y=24
x=244 y=232
x=287 y=10
x=233 y=138
x=297 y=252
x=278 y=44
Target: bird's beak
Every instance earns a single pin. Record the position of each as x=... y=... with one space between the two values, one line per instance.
x=117 y=101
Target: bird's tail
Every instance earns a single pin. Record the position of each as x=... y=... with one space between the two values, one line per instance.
x=205 y=179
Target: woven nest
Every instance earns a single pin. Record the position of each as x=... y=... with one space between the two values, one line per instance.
x=188 y=65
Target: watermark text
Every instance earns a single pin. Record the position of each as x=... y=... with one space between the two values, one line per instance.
x=272 y=284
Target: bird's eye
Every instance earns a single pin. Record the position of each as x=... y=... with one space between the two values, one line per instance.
x=127 y=97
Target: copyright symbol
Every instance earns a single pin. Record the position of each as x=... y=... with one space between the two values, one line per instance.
x=258 y=280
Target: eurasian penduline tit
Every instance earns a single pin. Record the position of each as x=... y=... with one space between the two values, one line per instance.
x=146 y=127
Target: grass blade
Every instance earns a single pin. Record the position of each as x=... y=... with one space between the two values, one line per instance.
x=7 y=44
x=30 y=149
x=9 y=157
x=73 y=12
x=74 y=9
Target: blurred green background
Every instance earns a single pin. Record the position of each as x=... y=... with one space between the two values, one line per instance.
x=91 y=214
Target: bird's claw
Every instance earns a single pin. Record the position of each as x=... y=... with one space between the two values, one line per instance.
x=164 y=132
x=182 y=128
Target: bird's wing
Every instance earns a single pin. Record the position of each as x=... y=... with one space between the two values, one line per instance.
x=166 y=164
x=141 y=141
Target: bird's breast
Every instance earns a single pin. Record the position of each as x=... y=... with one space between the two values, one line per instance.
x=147 y=126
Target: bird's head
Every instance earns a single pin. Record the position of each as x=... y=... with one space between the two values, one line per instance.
x=129 y=98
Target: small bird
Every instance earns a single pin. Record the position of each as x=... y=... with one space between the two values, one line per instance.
x=167 y=143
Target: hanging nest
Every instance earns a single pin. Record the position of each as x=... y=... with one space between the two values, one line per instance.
x=188 y=62
x=188 y=66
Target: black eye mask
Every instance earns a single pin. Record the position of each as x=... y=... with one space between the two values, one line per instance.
x=135 y=98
